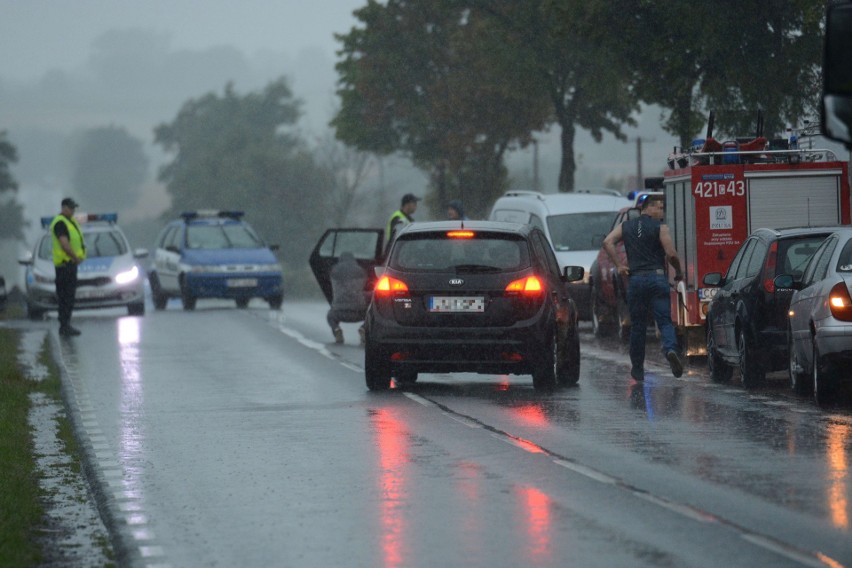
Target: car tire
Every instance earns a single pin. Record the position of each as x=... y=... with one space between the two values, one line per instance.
x=186 y=298
x=569 y=364
x=602 y=316
x=751 y=373
x=275 y=301
x=136 y=309
x=34 y=313
x=720 y=372
x=376 y=370
x=157 y=295
x=800 y=382
x=823 y=382
x=545 y=370
x=242 y=303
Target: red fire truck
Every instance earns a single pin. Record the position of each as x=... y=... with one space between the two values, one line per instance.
x=719 y=193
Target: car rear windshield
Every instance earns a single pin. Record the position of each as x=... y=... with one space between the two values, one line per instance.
x=579 y=231
x=794 y=254
x=440 y=253
x=844 y=263
x=233 y=235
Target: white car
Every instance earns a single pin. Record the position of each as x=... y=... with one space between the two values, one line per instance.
x=111 y=275
x=575 y=225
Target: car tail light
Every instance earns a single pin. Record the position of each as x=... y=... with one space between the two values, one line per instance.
x=529 y=286
x=387 y=286
x=769 y=268
x=840 y=303
x=460 y=234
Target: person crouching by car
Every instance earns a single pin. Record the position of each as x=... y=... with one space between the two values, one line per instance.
x=348 y=298
x=69 y=250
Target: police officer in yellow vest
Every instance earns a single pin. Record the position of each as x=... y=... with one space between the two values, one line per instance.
x=402 y=216
x=69 y=250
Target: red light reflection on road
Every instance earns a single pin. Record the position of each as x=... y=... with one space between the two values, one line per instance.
x=838 y=462
x=531 y=414
x=392 y=442
x=470 y=490
x=539 y=526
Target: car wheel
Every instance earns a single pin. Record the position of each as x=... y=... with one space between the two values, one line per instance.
x=275 y=301
x=799 y=381
x=157 y=295
x=623 y=317
x=602 y=316
x=720 y=372
x=34 y=313
x=569 y=364
x=376 y=370
x=186 y=297
x=405 y=377
x=823 y=383
x=136 y=309
x=243 y=303
x=750 y=371
x=544 y=373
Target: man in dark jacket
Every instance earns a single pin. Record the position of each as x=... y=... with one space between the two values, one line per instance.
x=348 y=298
x=649 y=249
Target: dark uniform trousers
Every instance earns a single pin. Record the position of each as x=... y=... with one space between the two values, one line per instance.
x=66 y=288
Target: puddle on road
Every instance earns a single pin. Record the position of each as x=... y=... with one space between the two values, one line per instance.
x=73 y=533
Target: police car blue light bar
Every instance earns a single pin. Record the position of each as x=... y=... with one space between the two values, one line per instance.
x=84 y=218
x=208 y=213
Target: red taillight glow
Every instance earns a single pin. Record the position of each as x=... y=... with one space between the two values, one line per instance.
x=530 y=285
x=387 y=286
x=840 y=303
x=461 y=234
x=769 y=268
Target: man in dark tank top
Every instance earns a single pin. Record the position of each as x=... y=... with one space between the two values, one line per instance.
x=649 y=249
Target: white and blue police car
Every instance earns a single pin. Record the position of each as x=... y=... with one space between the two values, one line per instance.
x=214 y=254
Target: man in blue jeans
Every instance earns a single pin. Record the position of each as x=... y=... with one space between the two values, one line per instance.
x=649 y=248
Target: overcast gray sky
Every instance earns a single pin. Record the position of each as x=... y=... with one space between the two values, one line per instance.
x=40 y=35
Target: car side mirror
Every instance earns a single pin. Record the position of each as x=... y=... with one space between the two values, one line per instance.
x=140 y=253
x=573 y=273
x=26 y=259
x=786 y=282
x=172 y=248
x=836 y=103
x=274 y=247
x=713 y=279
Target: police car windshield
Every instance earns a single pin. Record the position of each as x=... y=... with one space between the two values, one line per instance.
x=439 y=253
x=233 y=235
x=579 y=231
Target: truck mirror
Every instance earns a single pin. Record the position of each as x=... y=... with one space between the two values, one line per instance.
x=836 y=105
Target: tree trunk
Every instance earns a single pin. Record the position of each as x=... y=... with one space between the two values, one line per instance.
x=568 y=167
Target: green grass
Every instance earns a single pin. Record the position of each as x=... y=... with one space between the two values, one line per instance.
x=22 y=512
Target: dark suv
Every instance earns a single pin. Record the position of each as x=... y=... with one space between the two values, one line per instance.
x=484 y=297
x=747 y=318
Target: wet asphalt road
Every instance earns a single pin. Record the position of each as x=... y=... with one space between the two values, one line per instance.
x=227 y=437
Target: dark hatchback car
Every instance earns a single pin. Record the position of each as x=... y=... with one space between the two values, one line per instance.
x=747 y=318
x=482 y=296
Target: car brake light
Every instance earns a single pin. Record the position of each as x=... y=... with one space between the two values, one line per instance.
x=529 y=286
x=769 y=268
x=460 y=234
x=387 y=286
x=840 y=303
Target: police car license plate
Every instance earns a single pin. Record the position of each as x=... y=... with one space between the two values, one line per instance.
x=89 y=294
x=457 y=304
x=242 y=282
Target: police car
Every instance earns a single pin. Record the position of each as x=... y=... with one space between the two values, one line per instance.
x=214 y=254
x=111 y=275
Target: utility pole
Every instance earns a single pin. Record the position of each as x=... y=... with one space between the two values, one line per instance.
x=535 y=165
x=640 y=181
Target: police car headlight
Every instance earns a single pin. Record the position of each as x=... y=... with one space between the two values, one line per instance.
x=43 y=278
x=127 y=276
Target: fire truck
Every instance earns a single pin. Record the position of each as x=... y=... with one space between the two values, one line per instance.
x=717 y=193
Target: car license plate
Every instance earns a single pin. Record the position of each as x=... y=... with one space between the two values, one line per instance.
x=457 y=304
x=242 y=282
x=89 y=294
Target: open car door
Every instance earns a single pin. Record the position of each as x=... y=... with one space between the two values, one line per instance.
x=366 y=245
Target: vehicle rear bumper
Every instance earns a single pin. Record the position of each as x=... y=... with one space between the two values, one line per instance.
x=513 y=350
x=835 y=346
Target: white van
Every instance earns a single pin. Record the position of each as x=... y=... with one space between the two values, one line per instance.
x=575 y=224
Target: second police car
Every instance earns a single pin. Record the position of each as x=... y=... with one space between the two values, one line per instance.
x=109 y=277
x=214 y=254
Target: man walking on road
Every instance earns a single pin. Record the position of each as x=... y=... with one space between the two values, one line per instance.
x=69 y=250
x=649 y=248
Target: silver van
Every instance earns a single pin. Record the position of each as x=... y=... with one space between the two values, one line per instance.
x=575 y=224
